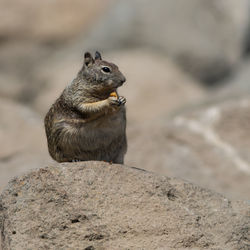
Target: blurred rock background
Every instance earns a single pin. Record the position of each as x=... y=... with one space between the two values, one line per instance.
x=187 y=69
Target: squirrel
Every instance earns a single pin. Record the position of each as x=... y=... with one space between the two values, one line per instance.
x=88 y=120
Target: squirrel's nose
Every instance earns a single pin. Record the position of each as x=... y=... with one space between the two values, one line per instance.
x=123 y=79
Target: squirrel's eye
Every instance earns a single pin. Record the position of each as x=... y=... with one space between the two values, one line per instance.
x=106 y=69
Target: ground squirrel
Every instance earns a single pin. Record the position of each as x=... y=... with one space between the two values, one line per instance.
x=88 y=120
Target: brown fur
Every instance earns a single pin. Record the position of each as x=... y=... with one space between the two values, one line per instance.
x=87 y=122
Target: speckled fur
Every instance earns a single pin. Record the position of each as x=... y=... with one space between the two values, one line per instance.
x=85 y=122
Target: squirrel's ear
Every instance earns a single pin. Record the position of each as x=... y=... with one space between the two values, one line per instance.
x=98 y=55
x=88 y=59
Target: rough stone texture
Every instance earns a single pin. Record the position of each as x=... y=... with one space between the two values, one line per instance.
x=46 y=21
x=205 y=37
x=154 y=85
x=95 y=205
x=23 y=144
x=213 y=142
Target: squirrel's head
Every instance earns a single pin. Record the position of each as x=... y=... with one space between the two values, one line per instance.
x=101 y=73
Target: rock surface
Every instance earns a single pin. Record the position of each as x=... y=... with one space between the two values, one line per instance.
x=213 y=142
x=204 y=37
x=95 y=205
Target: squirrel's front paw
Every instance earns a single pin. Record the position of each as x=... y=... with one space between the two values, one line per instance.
x=122 y=100
x=117 y=101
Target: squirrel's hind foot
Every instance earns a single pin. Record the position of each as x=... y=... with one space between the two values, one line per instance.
x=75 y=160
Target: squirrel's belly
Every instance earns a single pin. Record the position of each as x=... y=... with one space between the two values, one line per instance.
x=101 y=133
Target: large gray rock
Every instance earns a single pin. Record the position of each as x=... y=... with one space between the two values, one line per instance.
x=205 y=37
x=209 y=146
x=95 y=205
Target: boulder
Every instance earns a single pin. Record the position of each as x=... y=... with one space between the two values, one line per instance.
x=23 y=143
x=209 y=146
x=97 y=205
x=206 y=38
